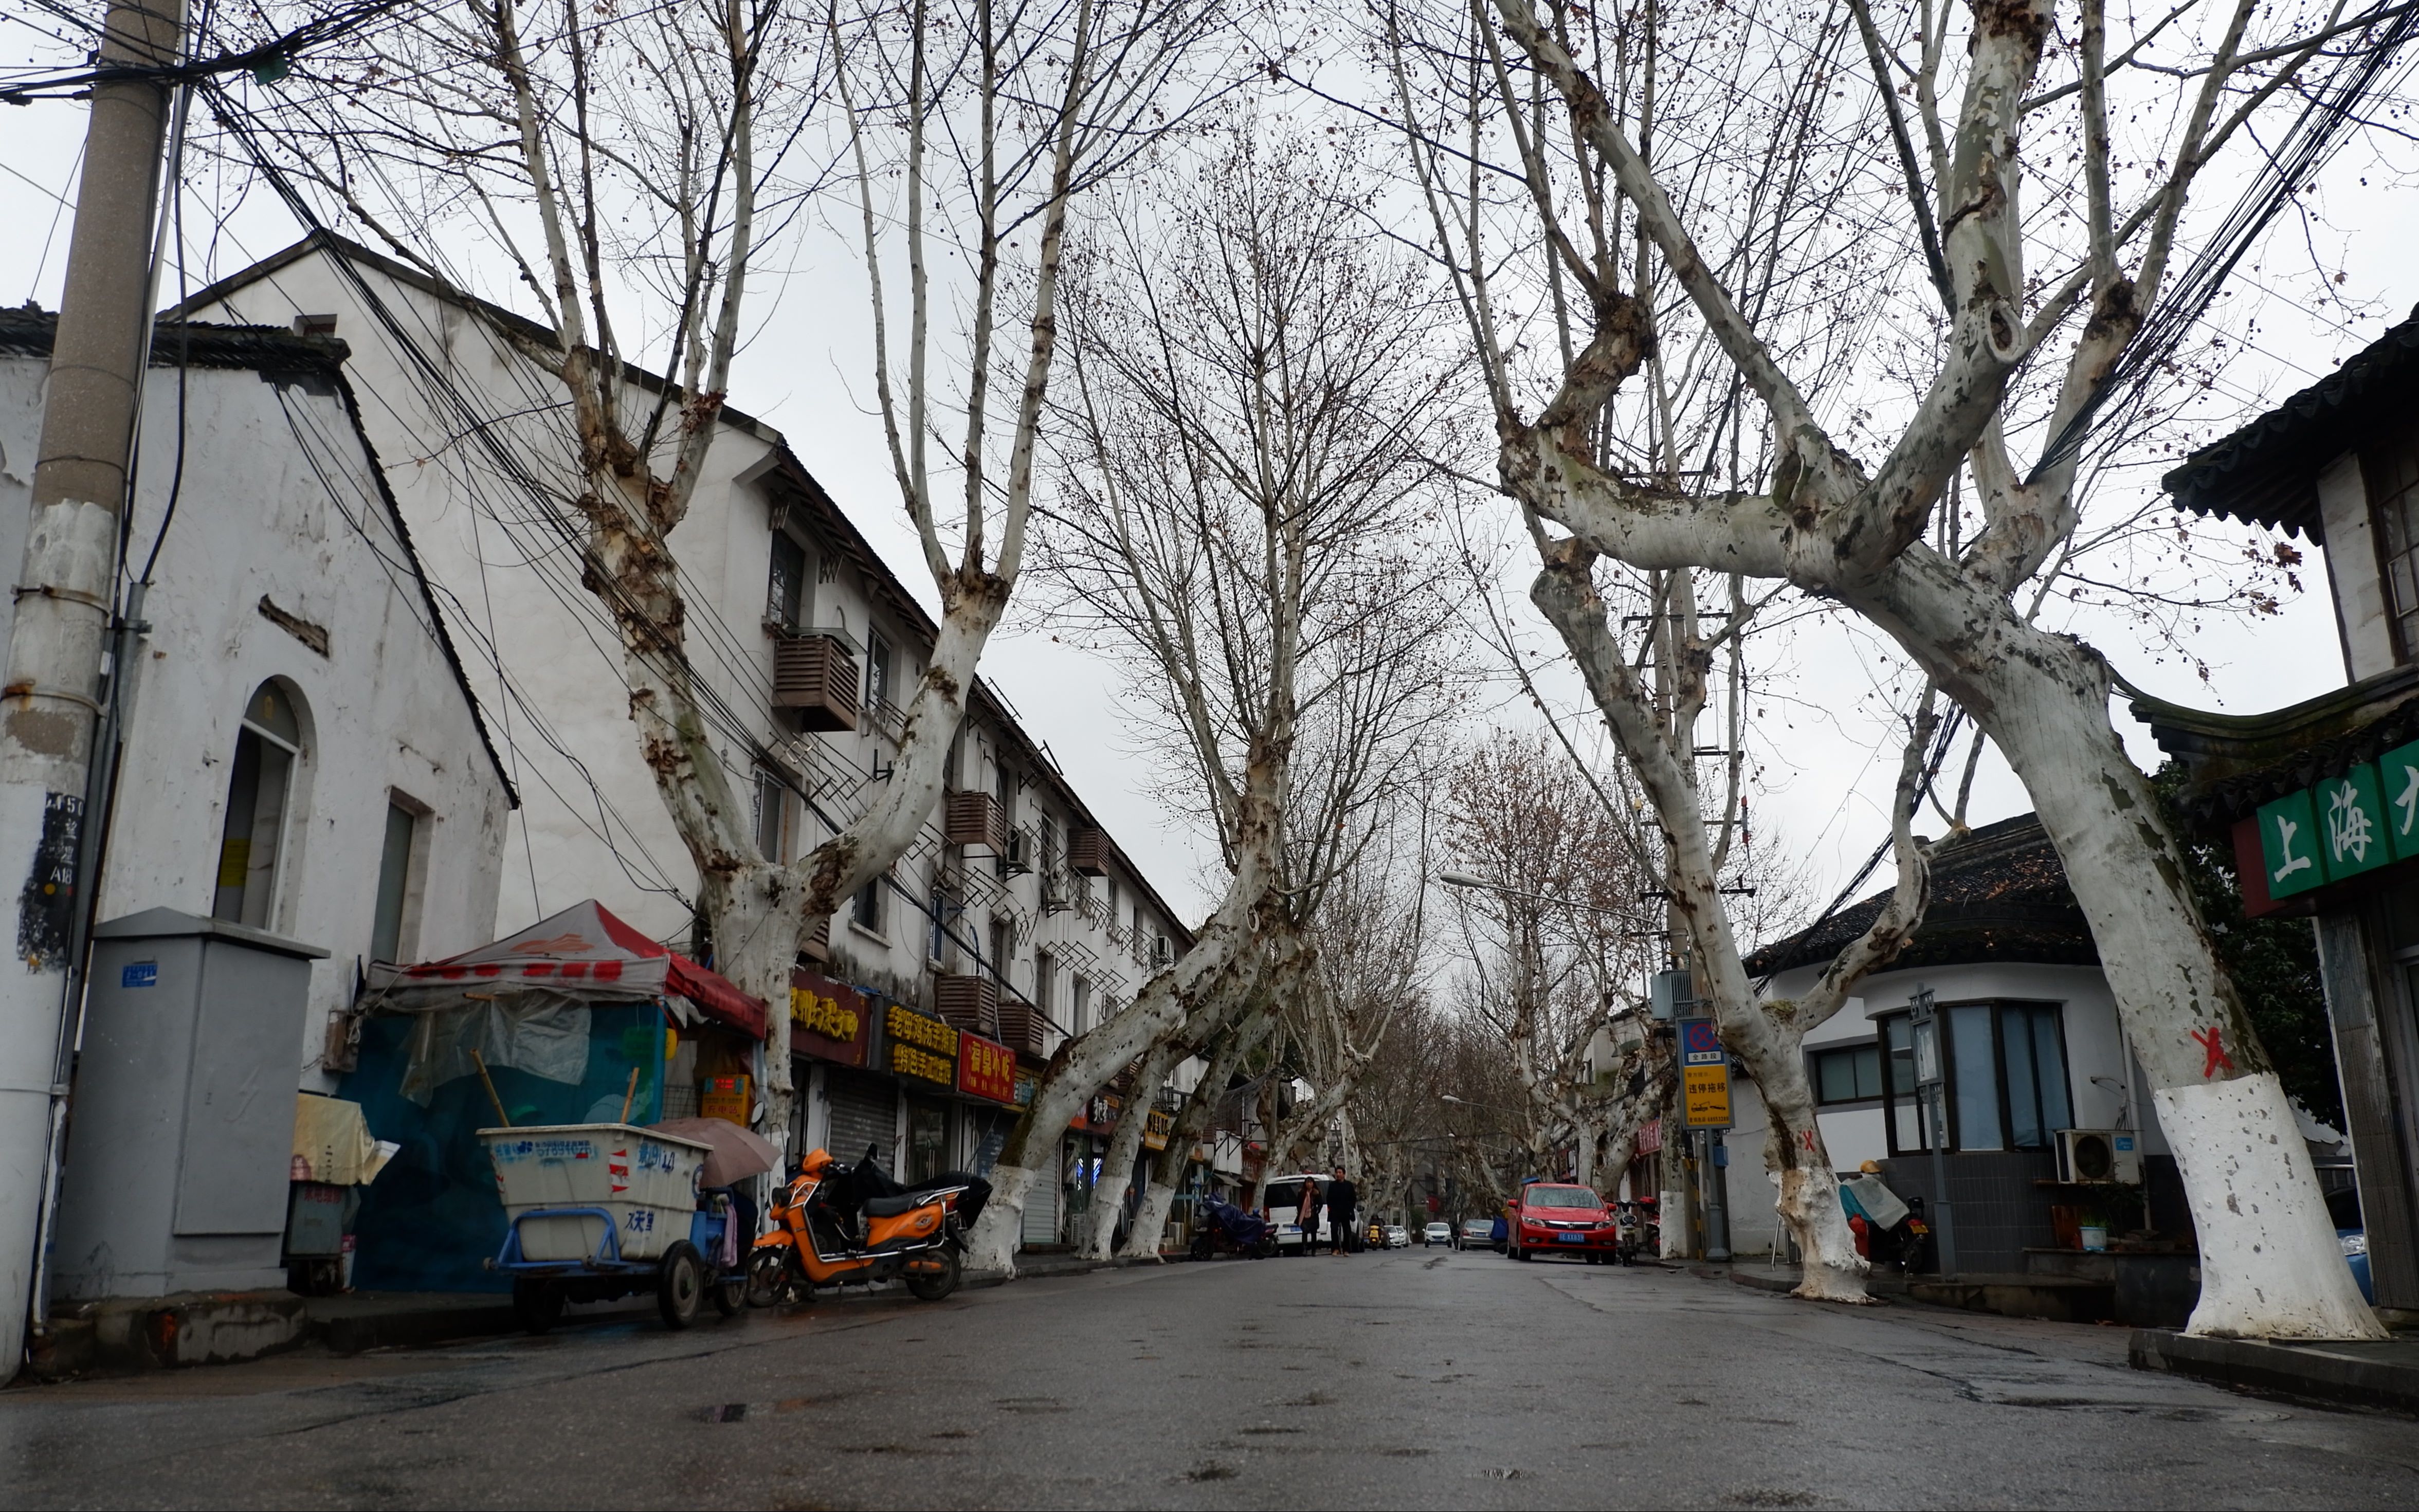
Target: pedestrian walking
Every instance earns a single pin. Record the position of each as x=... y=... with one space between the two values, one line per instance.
x=1341 y=1198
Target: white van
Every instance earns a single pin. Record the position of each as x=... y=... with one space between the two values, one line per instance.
x=1282 y=1196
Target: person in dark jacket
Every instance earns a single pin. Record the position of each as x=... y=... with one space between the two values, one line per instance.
x=1306 y=1216
x=1341 y=1199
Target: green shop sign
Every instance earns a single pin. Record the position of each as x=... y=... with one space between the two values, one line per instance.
x=2345 y=826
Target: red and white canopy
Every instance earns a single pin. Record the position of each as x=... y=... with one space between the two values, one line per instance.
x=585 y=952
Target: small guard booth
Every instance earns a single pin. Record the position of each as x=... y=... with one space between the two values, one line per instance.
x=578 y=1018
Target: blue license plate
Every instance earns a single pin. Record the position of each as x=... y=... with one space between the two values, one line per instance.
x=1571 y=1239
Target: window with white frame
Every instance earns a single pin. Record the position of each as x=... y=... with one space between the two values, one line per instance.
x=771 y=811
x=258 y=832
x=395 y=926
x=877 y=666
x=866 y=909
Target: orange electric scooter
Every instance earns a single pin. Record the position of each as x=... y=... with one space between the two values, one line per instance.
x=839 y=1226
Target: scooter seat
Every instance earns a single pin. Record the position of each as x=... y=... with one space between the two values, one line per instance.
x=893 y=1207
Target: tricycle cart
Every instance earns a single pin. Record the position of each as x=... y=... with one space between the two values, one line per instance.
x=598 y=1210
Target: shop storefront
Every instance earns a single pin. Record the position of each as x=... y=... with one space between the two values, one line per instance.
x=987 y=1085
x=841 y=1106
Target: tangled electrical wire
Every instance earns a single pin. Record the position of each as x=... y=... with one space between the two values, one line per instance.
x=2327 y=110
x=266 y=61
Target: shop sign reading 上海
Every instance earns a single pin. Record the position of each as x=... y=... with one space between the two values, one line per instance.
x=924 y=1048
x=2343 y=826
x=827 y=1020
x=986 y=1069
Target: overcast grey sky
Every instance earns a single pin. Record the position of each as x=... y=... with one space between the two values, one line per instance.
x=806 y=371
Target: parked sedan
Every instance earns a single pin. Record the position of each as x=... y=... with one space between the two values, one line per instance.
x=1476 y=1233
x=1557 y=1218
x=1437 y=1233
x=1398 y=1237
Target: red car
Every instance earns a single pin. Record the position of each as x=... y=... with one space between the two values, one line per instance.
x=1553 y=1218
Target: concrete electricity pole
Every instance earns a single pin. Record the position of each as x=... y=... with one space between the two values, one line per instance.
x=50 y=703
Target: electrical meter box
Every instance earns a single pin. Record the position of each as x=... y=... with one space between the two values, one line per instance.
x=181 y=1142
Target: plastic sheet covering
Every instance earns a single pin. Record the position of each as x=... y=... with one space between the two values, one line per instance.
x=333 y=1143
x=432 y=1219
x=541 y=1032
x=1882 y=1206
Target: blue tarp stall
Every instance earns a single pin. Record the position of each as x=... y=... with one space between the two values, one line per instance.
x=432 y=1219
x=561 y=1014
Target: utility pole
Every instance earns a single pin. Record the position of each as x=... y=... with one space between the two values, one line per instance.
x=50 y=700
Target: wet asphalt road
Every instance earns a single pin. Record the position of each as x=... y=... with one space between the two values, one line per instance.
x=1415 y=1379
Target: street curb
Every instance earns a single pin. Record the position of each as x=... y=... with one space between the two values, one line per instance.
x=2323 y=1372
x=1053 y=1266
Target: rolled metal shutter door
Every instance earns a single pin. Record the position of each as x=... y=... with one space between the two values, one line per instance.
x=864 y=1111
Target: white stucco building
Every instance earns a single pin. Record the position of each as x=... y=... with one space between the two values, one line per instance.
x=1014 y=916
x=301 y=754
x=2033 y=1048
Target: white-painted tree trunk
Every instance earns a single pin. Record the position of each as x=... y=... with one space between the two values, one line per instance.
x=2271 y=1264
x=1766 y=1037
x=1233 y=1044
x=1085 y=1064
x=1149 y=1220
x=1125 y=1150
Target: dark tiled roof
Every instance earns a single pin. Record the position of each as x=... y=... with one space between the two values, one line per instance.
x=275 y=352
x=2265 y=473
x=272 y=349
x=2238 y=761
x=1998 y=894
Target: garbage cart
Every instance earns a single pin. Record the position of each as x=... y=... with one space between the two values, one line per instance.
x=599 y=1211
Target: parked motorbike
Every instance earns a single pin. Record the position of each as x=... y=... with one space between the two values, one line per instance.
x=1906 y=1244
x=838 y=1224
x=1638 y=1229
x=1228 y=1229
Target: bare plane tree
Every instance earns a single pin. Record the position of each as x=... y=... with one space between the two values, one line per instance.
x=1972 y=189
x=1246 y=427
x=626 y=165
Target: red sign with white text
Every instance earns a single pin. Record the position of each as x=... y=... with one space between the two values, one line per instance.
x=986 y=1069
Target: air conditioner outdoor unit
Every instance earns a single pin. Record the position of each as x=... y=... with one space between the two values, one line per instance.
x=2088 y=1155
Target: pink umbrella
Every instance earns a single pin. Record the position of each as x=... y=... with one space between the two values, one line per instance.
x=736 y=1153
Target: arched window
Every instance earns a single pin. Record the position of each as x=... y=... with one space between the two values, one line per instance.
x=260 y=796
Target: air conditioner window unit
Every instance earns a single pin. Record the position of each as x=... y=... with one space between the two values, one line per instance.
x=2093 y=1155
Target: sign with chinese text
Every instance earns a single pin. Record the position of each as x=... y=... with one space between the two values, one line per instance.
x=924 y=1048
x=1156 y=1127
x=2289 y=855
x=1704 y=1075
x=2397 y=773
x=986 y=1069
x=1650 y=1136
x=2340 y=828
x=827 y=1020
x=2353 y=819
